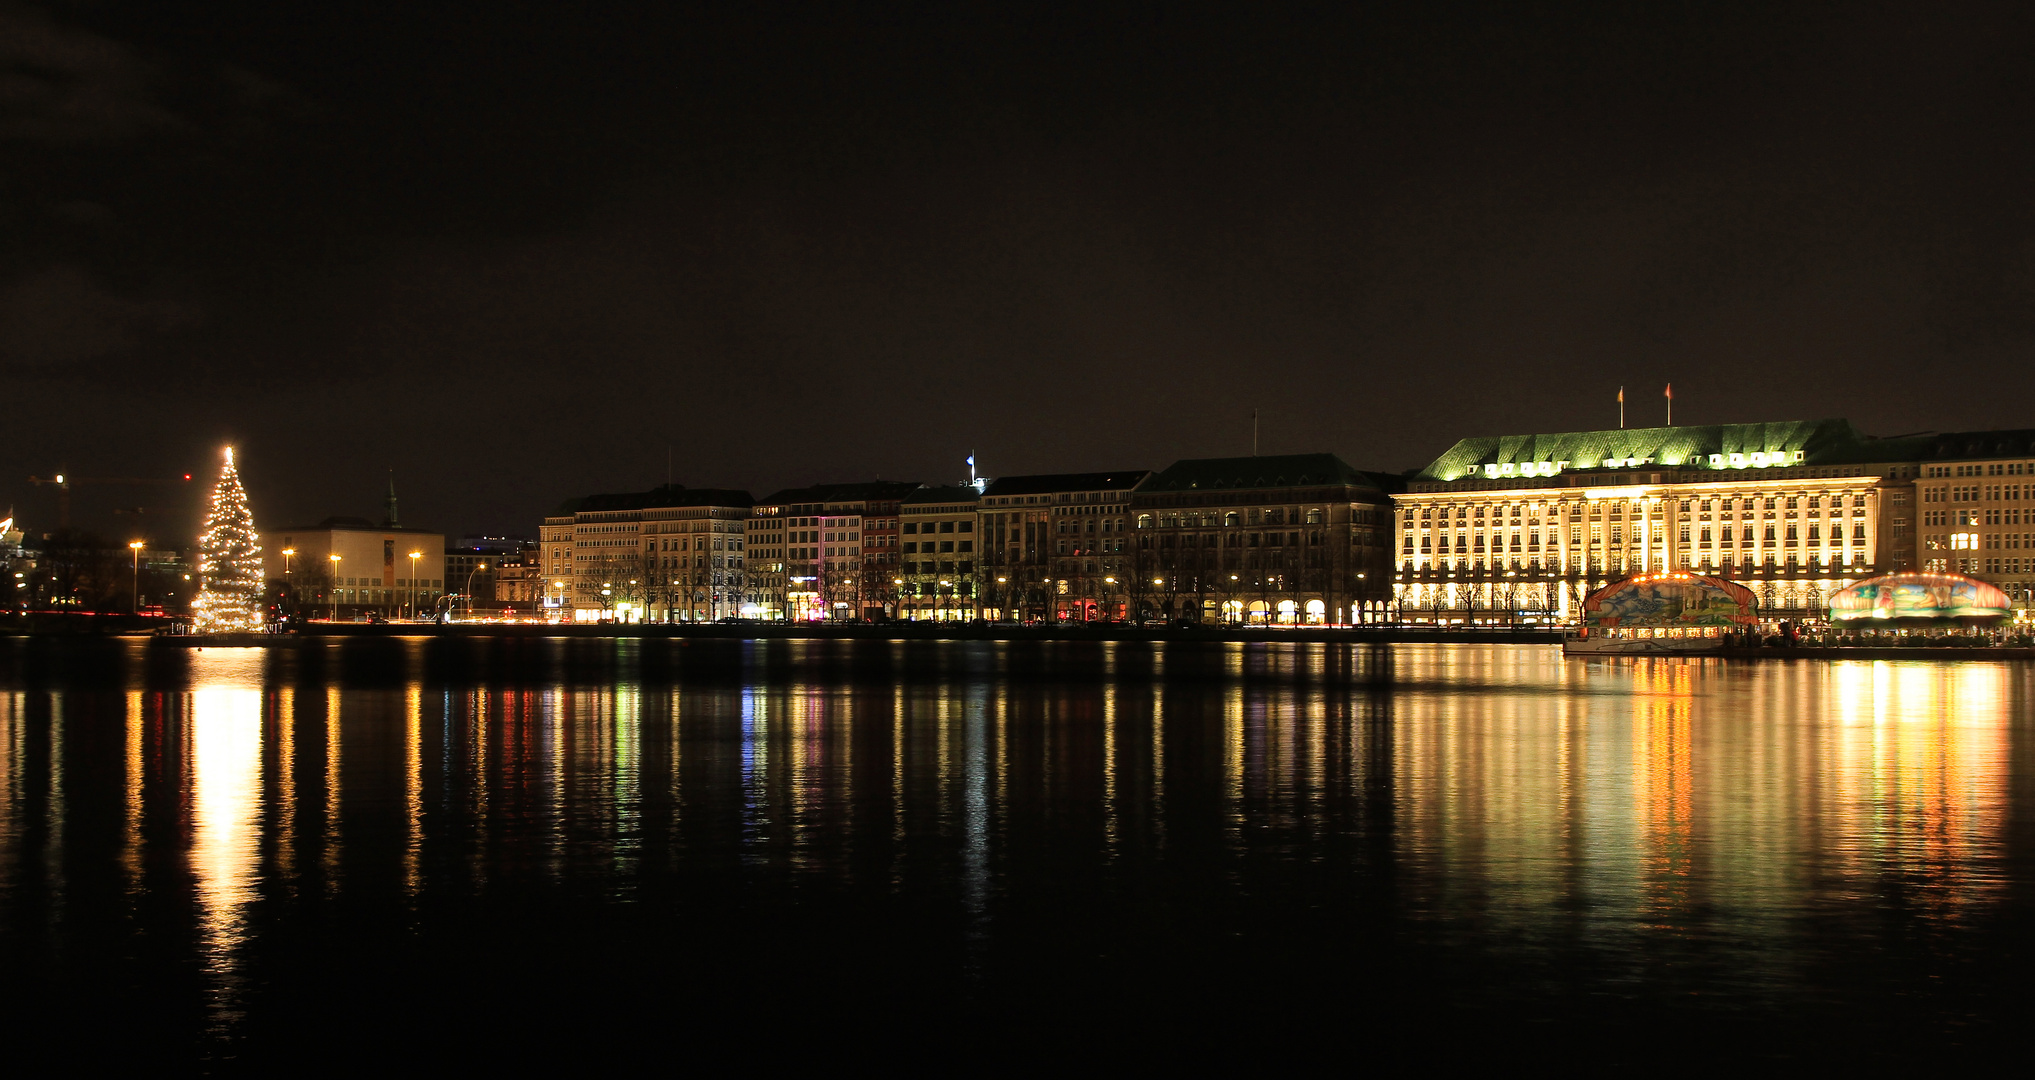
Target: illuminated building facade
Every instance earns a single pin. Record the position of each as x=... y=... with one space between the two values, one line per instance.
x=935 y=574
x=1294 y=539
x=670 y=554
x=881 y=527
x=1521 y=528
x=1054 y=547
x=1975 y=505
x=374 y=573
x=823 y=574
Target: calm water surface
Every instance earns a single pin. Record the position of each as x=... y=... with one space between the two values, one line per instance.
x=410 y=853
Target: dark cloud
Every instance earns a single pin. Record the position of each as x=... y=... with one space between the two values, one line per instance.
x=62 y=84
x=61 y=317
x=515 y=251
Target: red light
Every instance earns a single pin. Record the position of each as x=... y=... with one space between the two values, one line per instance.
x=187 y=476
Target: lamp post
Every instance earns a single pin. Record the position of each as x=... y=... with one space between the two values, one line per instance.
x=897 y=600
x=335 y=586
x=468 y=590
x=135 y=546
x=414 y=556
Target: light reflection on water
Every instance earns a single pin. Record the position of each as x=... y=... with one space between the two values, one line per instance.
x=226 y=810
x=1739 y=833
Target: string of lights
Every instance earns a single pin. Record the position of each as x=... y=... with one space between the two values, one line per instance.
x=229 y=561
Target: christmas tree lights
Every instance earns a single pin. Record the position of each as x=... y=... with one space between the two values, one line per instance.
x=229 y=561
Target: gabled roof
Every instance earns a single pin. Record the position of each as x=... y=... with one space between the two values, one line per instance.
x=1260 y=472
x=1042 y=483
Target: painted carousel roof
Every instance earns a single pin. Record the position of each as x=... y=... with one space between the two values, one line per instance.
x=1918 y=595
x=1672 y=599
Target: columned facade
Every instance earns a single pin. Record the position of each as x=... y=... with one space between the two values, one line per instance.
x=1520 y=529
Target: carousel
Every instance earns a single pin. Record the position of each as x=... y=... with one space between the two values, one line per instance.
x=1667 y=614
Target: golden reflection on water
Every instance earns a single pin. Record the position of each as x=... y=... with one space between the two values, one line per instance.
x=1922 y=776
x=1670 y=793
x=226 y=806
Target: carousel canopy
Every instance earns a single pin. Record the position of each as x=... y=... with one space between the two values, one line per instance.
x=1676 y=599
x=1920 y=596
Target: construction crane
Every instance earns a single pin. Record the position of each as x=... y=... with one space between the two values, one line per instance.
x=64 y=482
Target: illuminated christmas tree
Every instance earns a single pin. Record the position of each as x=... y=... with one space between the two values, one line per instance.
x=229 y=561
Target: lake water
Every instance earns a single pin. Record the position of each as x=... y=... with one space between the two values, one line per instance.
x=463 y=853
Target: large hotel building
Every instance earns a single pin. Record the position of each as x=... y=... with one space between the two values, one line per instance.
x=1523 y=527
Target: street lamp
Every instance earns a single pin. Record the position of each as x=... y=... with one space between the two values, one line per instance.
x=135 y=546
x=897 y=604
x=414 y=556
x=335 y=586
x=468 y=590
x=287 y=582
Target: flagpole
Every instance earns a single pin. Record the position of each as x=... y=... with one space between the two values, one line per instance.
x=1621 y=408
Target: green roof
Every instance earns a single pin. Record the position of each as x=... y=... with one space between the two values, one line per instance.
x=1792 y=442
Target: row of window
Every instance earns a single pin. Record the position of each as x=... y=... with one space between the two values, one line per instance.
x=945 y=545
x=1790 y=531
x=1991 y=515
x=912 y=527
x=1979 y=493
x=1977 y=541
x=2008 y=468
x=1314 y=515
x=1618 y=563
x=1617 y=509
x=699 y=543
x=940 y=566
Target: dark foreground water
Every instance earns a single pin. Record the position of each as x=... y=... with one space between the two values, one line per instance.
x=410 y=855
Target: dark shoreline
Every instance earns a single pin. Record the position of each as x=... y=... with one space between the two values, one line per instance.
x=851 y=632
x=1379 y=635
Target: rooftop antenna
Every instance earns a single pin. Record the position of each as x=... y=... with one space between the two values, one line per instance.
x=1254 y=433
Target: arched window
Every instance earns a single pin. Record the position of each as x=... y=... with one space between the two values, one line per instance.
x=1230 y=520
x=1314 y=515
x=1144 y=521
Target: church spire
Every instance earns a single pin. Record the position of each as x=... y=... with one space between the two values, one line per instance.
x=392 y=521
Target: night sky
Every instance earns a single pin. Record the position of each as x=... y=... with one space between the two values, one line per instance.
x=514 y=251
